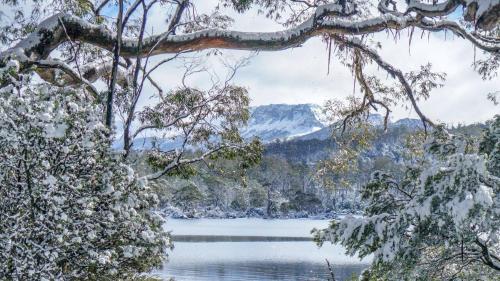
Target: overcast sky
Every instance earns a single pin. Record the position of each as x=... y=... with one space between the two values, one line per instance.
x=299 y=75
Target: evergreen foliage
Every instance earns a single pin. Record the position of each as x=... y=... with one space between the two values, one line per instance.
x=70 y=209
x=440 y=222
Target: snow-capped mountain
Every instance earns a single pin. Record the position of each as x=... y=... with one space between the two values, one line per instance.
x=409 y=122
x=302 y=122
x=279 y=121
x=283 y=121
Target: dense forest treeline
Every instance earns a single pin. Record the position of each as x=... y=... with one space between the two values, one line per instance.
x=286 y=183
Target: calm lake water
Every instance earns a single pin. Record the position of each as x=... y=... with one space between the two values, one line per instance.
x=262 y=251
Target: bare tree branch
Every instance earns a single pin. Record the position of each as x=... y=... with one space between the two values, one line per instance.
x=72 y=79
x=179 y=162
x=116 y=60
x=97 y=11
x=137 y=89
x=130 y=11
x=393 y=71
x=177 y=15
x=369 y=97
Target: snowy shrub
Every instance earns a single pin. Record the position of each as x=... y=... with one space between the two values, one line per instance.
x=440 y=222
x=69 y=208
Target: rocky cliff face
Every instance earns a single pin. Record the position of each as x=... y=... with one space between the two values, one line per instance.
x=282 y=121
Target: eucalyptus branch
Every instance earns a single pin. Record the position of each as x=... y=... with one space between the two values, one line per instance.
x=56 y=79
x=391 y=70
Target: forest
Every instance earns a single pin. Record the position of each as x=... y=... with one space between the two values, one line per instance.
x=286 y=183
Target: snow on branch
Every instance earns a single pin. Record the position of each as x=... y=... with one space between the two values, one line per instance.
x=432 y=10
x=62 y=27
x=59 y=73
x=483 y=13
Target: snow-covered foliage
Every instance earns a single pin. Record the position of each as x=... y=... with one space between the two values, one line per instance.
x=441 y=221
x=70 y=209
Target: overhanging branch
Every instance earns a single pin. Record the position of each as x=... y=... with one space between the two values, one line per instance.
x=391 y=70
x=433 y=10
x=50 y=34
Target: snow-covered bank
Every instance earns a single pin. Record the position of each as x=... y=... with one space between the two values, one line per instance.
x=217 y=213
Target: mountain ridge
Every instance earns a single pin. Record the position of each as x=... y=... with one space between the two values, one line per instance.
x=281 y=122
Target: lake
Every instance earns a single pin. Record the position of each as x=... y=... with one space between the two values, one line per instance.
x=253 y=249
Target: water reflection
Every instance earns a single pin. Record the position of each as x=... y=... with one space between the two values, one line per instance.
x=246 y=261
x=260 y=271
x=262 y=250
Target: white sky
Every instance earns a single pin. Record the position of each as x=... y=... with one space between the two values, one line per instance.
x=299 y=75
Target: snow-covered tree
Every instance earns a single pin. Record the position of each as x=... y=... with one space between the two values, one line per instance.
x=70 y=208
x=91 y=213
x=440 y=222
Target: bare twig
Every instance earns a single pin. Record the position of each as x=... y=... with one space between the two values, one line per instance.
x=330 y=270
x=116 y=60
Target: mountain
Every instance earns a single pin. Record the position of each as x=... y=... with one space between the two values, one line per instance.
x=300 y=122
x=409 y=123
x=326 y=132
x=283 y=121
x=320 y=145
